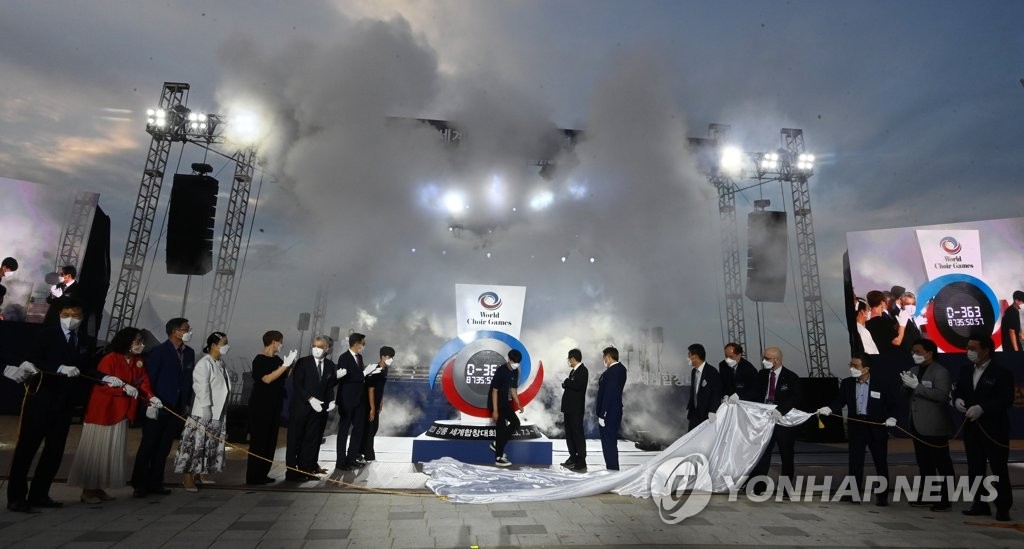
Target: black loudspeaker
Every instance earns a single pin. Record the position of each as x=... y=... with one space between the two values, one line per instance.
x=303 y=324
x=190 y=224
x=767 y=256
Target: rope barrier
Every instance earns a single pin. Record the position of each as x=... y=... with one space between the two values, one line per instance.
x=219 y=438
x=911 y=435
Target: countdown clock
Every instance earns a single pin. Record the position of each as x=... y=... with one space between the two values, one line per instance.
x=959 y=306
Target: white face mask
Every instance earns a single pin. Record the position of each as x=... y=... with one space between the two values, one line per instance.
x=69 y=323
x=513 y=365
x=855 y=372
x=137 y=349
x=918 y=359
x=767 y=364
x=388 y=361
x=971 y=355
x=910 y=309
x=224 y=349
x=732 y=363
x=186 y=337
x=318 y=353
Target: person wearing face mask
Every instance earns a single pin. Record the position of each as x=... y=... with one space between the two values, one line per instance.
x=863 y=344
x=868 y=398
x=169 y=367
x=574 y=395
x=375 y=376
x=739 y=377
x=928 y=384
x=984 y=394
x=100 y=457
x=312 y=398
x=1009 y=325
x=780 y=386
x=905 y=312
x=59 y=355
x=269 y=373
x=610 y=385
x=351 y=403
x=8 y=265
x=501 y=397
x=705 y=388
x=64 y=290
x=201 y=449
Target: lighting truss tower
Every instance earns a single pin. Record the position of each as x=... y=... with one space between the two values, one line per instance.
x=320 y=313
x=72 y=240
x=122 y=311
x=807 y=251
x=218 y=317
x=735 y=323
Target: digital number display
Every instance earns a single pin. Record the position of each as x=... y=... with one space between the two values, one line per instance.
x=962 y=309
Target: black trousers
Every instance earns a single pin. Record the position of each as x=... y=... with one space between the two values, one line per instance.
x=981 y=450
x=867 y=437
x=370 y=431
x=574 y=438
x=507 y=424
x=352 y=414
x=45 y=421
x=934 y=461
x=785 y=439
x=264 y=421
x=157 y=438
x=303 y=442
x=610 y=440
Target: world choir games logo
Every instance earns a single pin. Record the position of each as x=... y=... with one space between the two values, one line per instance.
x=950 y=245
x=490 y=301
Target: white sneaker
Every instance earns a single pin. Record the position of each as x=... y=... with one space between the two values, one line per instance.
x=502 y=462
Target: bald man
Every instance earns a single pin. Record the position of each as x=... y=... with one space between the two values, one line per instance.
x=780 y=386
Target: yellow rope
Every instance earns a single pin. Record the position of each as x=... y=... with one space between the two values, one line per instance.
x=911 y=435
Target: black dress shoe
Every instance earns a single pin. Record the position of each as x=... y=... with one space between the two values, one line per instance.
x=568 y=463
x=977 y=512
x=20 y=507
x=579 y=468
x=359 y=463
x=1003 y=516
x=46 y=503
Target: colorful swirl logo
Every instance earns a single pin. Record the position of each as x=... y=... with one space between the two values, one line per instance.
x=490 y=301
x=949 y=245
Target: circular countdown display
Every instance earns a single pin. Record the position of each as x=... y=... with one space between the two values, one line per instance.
x=959 y=306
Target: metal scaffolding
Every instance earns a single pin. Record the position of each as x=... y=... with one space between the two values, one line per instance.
x=320 y=313
x=735 y=323
x=72 y=240
x=218 y=317
x=123 y=310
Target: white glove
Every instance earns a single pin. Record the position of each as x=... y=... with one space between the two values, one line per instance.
x=342 y=372
x=370 y=369
x=712 y=417
x=156 y=403
x=974 y=412
x=734 y=399
x=113 y=381
x=131 y=391
x=331 y=406
x=317 y=404
x=891 y=422
x=824 y=411
x=152 y=412
x=55 y=291
x=903 y=317
x=776 y=416
x=69 y=371
x=725 y=399
x=21 y=374
x=600 y=421
x=960 y=406
x=289 y=358
x=910 y=380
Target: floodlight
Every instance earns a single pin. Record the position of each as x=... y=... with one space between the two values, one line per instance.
x=731 y=160
x=454 y=202
x=542 y=200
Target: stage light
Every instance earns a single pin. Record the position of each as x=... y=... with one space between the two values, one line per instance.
x=197 y=122
x=413 y=250
x=156 y=117
x=454 y=202
x=563 y=259
x=542 y=200
x=592 y=260
x=731 y=160
x=488 y=255
x=805 y=162
x=243 y=126
x=770 y=161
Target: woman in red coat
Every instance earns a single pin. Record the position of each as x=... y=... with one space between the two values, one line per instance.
x=100 y=461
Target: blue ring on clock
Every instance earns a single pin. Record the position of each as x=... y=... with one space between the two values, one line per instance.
x=453 y=346
x=933 y=287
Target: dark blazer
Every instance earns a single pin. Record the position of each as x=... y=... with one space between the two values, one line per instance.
x=170 y=379
x=879 y=409
x=52 y=350
x=575 y=391
x=741 y=382
x=53 y=312
x=307 y=383
x=994 y=394
x=709 y=395
x=787 y=389
x=351 y=386
x=609 y=391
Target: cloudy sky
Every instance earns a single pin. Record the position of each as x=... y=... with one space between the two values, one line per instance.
x=914 y=110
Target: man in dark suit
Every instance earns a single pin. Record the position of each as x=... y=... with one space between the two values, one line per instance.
x=609 y=405
x=169 y=368
x=352 y=408
x=66 y=289
x=574 y=393
x=8 y=265
x=705 y=387
x=780 y=386
x=59 y=355
x=868 y=398
x=739 y=376
x=312 y=398
x=985 y=395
